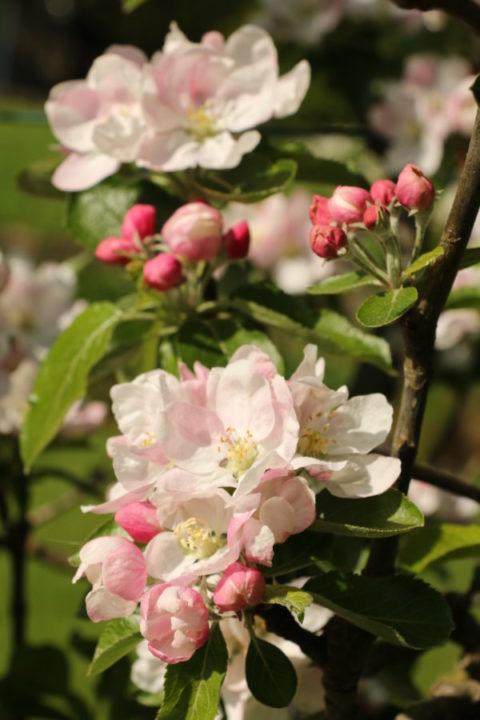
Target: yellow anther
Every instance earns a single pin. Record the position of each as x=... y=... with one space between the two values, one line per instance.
x=196 y=538
x=239 y=451
x=201 y=123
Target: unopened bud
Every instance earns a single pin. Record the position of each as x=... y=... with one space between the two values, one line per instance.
x=139 y=220
x=162 y=272
x=319 y=212
x=414 y=190
x=348 y=204
x=327 y=240
x=194 y=231
x=115 y=250
x=139 y=519
x=375 y=216
x=237 y=241
x=239 y=587
x=383 y=191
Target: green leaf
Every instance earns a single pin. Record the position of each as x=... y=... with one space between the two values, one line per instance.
x=196 y=341
x=129 y=6
x=98 y=212
x=192 y=688
x=439 y=542
x=255 y=179
x=295 y=600
x=36 y=179
x=470 y=257
x=62 y=377
x=398 y=609
x=311 y=169
x=391 y=513
x=271 y=677
x=333 y=332
x=465 y=297
x=385 y=308
x=424 y=260
x=342 y=283
x=118 y=638
x=299 y=552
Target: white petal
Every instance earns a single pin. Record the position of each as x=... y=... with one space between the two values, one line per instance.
x=80 y=172
x=363 y=476
x=291 y=89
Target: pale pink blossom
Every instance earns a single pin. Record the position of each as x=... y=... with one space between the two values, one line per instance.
x=282 y=505
x=140 y=520
x=195 y=520
x=99 y=120
x=240 y=586
x=116 y=569
x=194 y=231
x=174 y=620
x=455 y=325
x=340 y=433
x=202 y=99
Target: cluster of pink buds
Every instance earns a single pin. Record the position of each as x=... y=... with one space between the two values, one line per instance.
x=192 y=234
x=338 y=221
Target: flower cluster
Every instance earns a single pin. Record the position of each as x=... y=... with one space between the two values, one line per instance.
x=36 y=304
x=193 y=233
x=432 y=101
x=339 y=223
x=213 y=469
x=193 y=104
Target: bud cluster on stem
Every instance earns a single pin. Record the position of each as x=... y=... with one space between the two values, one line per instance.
x=360 y=225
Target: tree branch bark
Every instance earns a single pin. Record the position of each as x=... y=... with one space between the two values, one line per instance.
x=466 y=10
x=345 y=644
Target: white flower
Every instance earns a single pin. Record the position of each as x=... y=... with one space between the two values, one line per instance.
x=201 y=99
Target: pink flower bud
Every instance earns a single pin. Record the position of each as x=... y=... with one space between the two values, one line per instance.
x=348 y=204
x=174 y=620
x=414 y=190
x=319 y=212
x=162 y=272
x=237 y=241
x=194 y=231
x=240 y=586
x=327 y=240
x=374 y=216
x=140 y=220
x=112 y=250
x=383 y=191
x=139 y=519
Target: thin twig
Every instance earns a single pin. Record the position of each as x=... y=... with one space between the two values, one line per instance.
x=52 y=557
x=446 y=481
x=466 y=10
x=51 y=510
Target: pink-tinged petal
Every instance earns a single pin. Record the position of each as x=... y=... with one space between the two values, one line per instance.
x=291 y=89
x=96 y=550
x=80 y=172
x=164 y=558
x=124 y=572
x=279 y=516
x=102 y=605
x=360 y=424
x=363 y=475
x=71 y=109
x=239 y=587
x=128 y=52
x=258 y=541
x=223 y=151
x=236 y=524
x=139 y=519
x=119 y=500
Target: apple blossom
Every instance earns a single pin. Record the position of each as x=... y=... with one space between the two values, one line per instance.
x=174 y=620
x=454 y=325
x=375 y=215
x=319 y=212
x=340 y=434
x=327 y=240
x=348 y=204
x=239 y=587
x=194 y=231
x=413 y=189
x=163 y=272
x=116 y=569
x=99 y=120
x=201 y=99
x=139 y=519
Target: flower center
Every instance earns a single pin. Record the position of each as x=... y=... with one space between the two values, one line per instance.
x=314 y=441
x=201 y=123
x=196 y=538
x=147 y=441
x=240 y=451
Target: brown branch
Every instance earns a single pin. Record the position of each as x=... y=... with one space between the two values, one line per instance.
x=347 y=645
x=466 y=10
x=446 y=481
